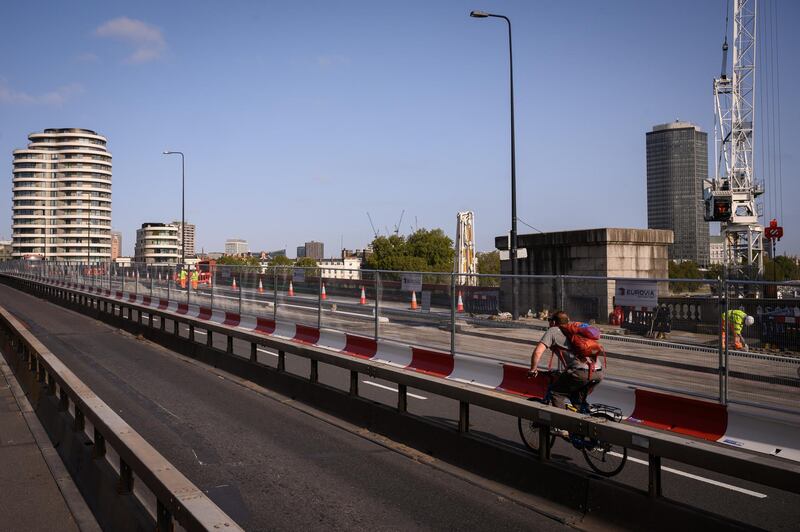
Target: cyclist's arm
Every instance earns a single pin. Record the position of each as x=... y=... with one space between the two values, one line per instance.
x=536 y=357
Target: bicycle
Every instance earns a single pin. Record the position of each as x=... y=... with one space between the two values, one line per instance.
x=604 y=458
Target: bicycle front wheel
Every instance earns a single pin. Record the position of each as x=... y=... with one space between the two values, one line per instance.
x=529 y=432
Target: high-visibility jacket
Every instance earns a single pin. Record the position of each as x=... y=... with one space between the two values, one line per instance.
x=195 y=276
x=736 y=318
x=183 y=275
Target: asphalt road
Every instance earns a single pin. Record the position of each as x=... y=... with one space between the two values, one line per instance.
x=230 y=441
x=268 y=465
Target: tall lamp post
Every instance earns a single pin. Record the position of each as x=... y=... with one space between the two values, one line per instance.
x=513 y=243
x=183 y=205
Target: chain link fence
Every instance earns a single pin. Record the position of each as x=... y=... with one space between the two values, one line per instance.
x=684 y=335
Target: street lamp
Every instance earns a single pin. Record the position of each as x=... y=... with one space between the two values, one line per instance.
x=513 y=243
x=183 y=205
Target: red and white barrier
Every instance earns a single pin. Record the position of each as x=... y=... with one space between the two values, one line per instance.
x=683 y=415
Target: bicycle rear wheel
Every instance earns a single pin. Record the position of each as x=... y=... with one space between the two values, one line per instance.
x=604 y=458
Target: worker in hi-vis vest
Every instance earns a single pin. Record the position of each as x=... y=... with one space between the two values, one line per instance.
x=733 y=321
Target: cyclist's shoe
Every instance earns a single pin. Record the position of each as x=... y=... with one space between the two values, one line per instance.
x=561 y=433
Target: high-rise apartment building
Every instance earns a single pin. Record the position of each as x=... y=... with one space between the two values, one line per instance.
x=62 y=197
x=314 y=250
x=236 y=246
x=677 y=164
x=189 y=239
x=157 y=243
x=301 y=252
x=116 y=245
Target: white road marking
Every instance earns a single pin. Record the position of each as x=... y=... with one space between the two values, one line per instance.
x=267 y=352
x=165 y=410
x=392 y=389
x=697 y=477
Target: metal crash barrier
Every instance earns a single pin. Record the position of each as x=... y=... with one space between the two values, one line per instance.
x=762 y=469
x=177 y=498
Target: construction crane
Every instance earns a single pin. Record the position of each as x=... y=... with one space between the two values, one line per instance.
x=730 y=197
x=374 y=231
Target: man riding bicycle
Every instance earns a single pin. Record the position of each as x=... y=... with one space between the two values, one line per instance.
x=574 y=381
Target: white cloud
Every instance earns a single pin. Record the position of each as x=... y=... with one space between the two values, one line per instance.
x=56 y=97
x=147 y=41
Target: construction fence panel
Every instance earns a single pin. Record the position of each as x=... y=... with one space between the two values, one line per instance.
x=415 y=308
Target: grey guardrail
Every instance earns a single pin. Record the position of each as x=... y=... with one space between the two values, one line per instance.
x=766 y=470
x=176 y=496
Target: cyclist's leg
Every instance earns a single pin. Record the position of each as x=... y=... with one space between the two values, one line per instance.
x=568 y=384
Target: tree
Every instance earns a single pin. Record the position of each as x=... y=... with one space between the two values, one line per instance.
x=280 y=260
x=435 y=247
x=230 y=260
x=423 y=251
x=782 y=268
x=686 y=269
x=310 y=264
x=489 y=263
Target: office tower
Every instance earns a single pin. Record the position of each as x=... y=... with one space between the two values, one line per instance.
x=301 y=252
x=62 y=197
x=314 y=250
x=116 y=244
x=677 y=164
x=236 y=246
x=190 y=236
x=157 y=243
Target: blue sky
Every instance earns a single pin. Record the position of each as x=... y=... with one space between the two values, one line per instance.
x=299 y=117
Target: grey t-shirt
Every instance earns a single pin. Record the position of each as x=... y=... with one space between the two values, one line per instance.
x=555 y=338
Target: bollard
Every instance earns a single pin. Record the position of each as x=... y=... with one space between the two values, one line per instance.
x=402 y=398
x=99 y=449
x=125 y=483
x=463 y=417
x=654 y=476
x=354 y=383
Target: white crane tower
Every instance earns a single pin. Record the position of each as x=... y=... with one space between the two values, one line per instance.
x=730 y=197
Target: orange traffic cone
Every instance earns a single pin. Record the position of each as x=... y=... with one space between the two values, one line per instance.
x=233 y=285
x=291 y=289
x=363 y=296
x=460 y=307
x=414 y=301
x=260 y=287
x=323 y=295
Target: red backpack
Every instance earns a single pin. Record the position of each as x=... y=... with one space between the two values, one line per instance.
x=585 y=345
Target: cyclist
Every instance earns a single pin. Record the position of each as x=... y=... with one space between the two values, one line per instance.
x=573 y=382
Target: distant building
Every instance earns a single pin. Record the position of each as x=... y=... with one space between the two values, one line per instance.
x=214 y=255
x=716 y=249
x=277 y=253
x=61 y=191
x=116 y=244
x=361 y=254
x=236 y=246
x=677 y=164
x=345 y=268
x=6 y=247
x=157 y=243
x=603 y=252
x=190 y=237
x=123 y=262
x=314 y=250
x=301 y=252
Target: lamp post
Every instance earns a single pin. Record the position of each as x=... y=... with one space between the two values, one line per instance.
x=183 y=205
x=513 y=243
